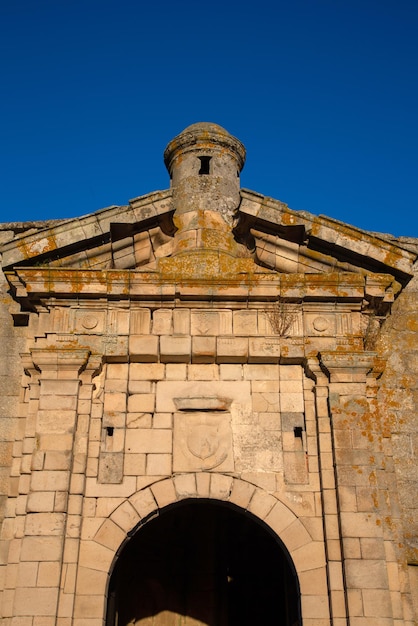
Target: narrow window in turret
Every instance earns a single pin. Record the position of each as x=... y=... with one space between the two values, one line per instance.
x=204 y=165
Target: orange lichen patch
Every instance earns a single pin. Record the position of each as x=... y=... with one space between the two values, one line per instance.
x=34 y=248
x=369 y=435
x=373 y=420
x=288 y=218
x=412 y=324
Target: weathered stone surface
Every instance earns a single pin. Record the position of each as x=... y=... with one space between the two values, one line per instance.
x=207 y=347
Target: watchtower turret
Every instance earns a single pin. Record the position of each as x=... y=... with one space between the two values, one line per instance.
x=204 y=162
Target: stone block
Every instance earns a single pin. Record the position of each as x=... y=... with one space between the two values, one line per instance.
x=110 y=468
x=113 y=385
x=113 y=419
x=58 y=402
x=352 y=548
x=266 y=402
x=143 y=348
x=134 y=464
x=244 y=323
x=262 y=350
x=355 y=602
x=50 y=481
x=241 y=493
x=139 y=420
x=162 y=322
x=230 y=371
x=176 y=371
x=377 y=603
x=144 y=502
x=124 y=489
x=40 y=502
x=57 y=460
x=291 y=386
x=203 y=349
x=164 y=493
x=141 y=403
x=372 y=548
x=110 y=535
x=57 y=421
x=366 y=574
x=220 y=486
x=149 y=441
x=291 y=402
x=139 y=386
x=181 y=322
x=261 y=372
x=162 y=420
x=232 y=349
x=295 y=467
x=338 y=607
x=269 y=421
x=114 y=402
x=291 y=420
x=203 y=372
x=175 y=349
x=313 y=582
x=291 y=372
x=59 y=387
x=35 y=601
x=316 y=605
x=211 y=323
x=44 y=524
x=335 y=576
x=185 y=485
x=309 y=556
x=95 y=556
x=41 y=548
x=90 y=580
x=146 y=371
x=279 y=518
x=140 y=322
x=27 y=574
x=359 y=525
x=117 y=370
x=158 y=464
x=203 y=484
x=88 y=607
x=265 y=386
x=49 y=574
x=261 y=503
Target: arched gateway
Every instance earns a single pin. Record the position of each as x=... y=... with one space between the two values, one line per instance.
x=203 y=562
x=203 y=548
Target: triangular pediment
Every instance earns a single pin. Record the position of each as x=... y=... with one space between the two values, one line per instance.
x=122 y=237
x=138 y=252
x=297 y=241
x=275 y=237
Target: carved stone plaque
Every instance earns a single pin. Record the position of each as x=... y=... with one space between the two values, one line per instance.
x=202 y=441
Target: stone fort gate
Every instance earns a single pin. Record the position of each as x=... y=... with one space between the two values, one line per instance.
x=208 y=411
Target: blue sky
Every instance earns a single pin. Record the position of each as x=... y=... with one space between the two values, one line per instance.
x=323 y=93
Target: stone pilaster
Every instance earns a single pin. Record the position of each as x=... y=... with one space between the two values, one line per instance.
x=328 y=489
x=48 y=482
x=359 y=449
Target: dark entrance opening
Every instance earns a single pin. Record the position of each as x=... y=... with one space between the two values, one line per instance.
x=203 y=562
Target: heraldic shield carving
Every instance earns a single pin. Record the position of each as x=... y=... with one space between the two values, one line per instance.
x=202 y=440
